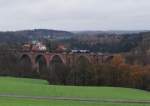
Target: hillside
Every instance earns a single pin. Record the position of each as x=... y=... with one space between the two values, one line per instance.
x=144 y=45
x=19 y=91
x=28 y=35
x=141 y=53
x=95 y=41
x=112 y=43
x=31 y=87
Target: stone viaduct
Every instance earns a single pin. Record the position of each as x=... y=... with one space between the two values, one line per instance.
x=52 y=66
x=68 y=59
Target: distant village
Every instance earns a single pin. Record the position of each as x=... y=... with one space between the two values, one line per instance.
x=37 y=46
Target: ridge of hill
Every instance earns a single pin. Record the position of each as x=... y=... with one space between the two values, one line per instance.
x=36 y=34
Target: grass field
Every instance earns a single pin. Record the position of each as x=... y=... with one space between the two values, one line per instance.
x=31 y=87
x=30 y=102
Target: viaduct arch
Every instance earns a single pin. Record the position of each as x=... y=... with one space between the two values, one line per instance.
x=25 y=64
x=57 y=58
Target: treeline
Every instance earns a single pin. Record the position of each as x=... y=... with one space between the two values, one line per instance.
x=120 y=74
x=117 y=73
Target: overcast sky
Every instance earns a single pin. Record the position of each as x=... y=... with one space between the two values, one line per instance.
x=75 y=14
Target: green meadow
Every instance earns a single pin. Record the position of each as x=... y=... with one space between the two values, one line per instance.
x=32 y=102
x=41 y=88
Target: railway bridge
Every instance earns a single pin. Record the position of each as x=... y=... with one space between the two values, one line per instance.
x=68 y=59
x=41 y=61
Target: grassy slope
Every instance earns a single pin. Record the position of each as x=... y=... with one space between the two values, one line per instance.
x=39 y=87
x=32 y=102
